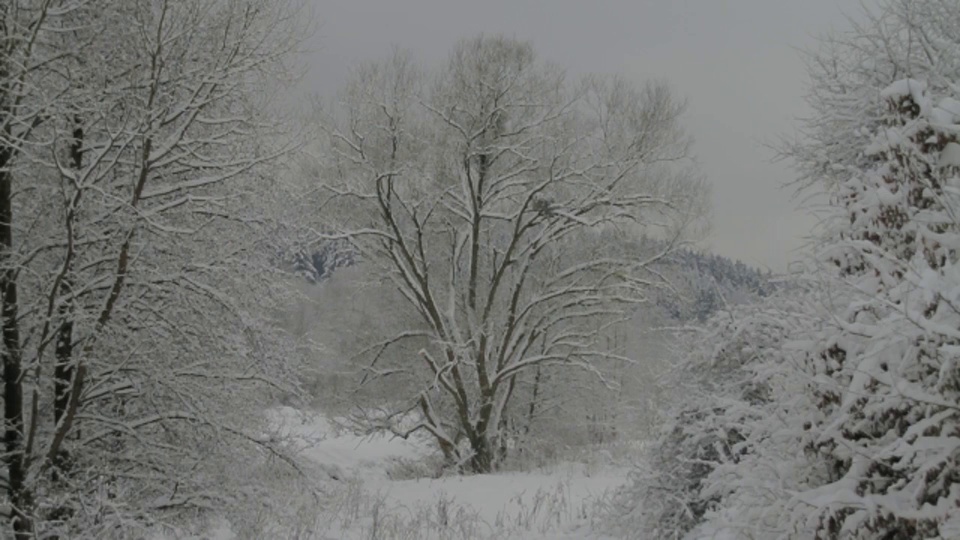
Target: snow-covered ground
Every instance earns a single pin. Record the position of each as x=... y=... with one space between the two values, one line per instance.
x=339 y=452
x=364 y=498
x=556 y=502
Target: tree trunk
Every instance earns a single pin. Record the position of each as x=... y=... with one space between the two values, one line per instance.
x=13 y=437
x=483 y=460
x=63 y=371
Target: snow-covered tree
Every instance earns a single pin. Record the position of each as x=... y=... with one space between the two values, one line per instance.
x=493 y=195
x=858 y=436
x=890 y=431
x=133 y=145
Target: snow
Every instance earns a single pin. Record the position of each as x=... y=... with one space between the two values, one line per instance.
x=496 y=496
x=322 y=443
x=950 y=155
x=946 y=112
x=554 y=502
x=905 y=87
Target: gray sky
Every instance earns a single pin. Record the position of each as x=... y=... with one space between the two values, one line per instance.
x=735 y=60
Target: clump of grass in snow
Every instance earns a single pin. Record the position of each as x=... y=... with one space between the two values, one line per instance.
x=371 y=516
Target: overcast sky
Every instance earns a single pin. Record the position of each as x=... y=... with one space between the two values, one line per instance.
x=735 y=60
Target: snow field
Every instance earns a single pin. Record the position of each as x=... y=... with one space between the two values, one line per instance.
x=557 y=502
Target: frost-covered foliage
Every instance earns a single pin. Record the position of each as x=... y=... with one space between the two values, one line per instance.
x=137 y=345
x=855 y=430
x=890 y=434
x=732 y=380
x=890 y=431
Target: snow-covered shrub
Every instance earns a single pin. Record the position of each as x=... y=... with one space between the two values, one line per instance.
x=725 y=388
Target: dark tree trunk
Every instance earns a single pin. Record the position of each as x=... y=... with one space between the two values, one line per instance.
x=483 y=460
x=13 y=437
x=63 y=370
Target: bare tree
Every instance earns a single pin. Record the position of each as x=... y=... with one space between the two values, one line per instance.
x=132 y=147
x=495 y=197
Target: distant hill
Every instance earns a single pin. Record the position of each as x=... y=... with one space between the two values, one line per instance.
x=706 y=282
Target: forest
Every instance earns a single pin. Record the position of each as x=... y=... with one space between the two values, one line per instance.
x=463 y=299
